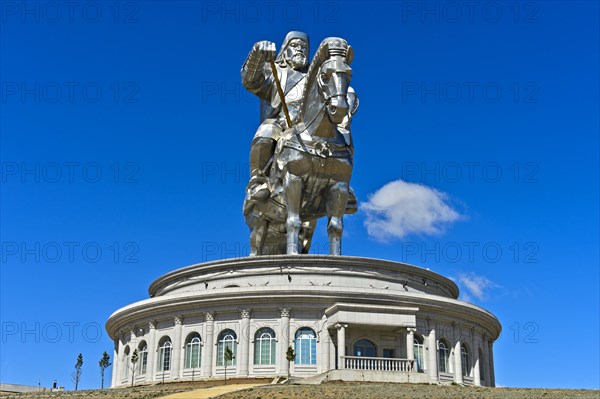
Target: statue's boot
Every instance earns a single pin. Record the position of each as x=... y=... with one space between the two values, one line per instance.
x=260 y=155
x=258 y=188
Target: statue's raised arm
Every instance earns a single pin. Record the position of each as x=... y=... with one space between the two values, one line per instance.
x=254 y=74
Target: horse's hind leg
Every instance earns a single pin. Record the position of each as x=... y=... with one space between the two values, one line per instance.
x=337 y=198
x=257 y=236
x=306 y=234
x=293 y=201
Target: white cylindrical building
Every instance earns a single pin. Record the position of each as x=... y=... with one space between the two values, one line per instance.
x=347 y=318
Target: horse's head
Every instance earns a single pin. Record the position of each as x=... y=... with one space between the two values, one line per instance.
x=331 y=72
x=334 y=78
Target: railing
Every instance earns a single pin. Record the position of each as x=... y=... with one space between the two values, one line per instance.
x=377 y=363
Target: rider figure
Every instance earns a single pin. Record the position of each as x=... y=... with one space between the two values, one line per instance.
x=291 y=65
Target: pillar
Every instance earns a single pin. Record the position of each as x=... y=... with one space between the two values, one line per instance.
x=410 y=346
x=476 y=360
x=325 y=340
x=152 y=351
x=284 y=340
x=124 y=366
x=119 y=361
x=458 y=377
x=244 y=359
x=486 y=359
x=491 y=363
x=432 y=357
x=209 y=339
x=177 y=347
x=133 y=369
x=115 y=363
x=341 y=339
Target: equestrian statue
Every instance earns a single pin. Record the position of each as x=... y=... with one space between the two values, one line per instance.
x=301 y=157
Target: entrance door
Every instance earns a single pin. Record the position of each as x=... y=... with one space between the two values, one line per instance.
x=364 y=347
x=388 y=353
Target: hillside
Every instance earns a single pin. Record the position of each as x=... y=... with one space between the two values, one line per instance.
x=332 y=390
x=346 y=390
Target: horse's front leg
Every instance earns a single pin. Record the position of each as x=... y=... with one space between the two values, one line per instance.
x=293 y=201
x=336 y=205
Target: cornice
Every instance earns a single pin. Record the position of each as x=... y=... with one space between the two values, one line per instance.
x=307 y=295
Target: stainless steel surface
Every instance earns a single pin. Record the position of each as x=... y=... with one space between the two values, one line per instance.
x=301 y=173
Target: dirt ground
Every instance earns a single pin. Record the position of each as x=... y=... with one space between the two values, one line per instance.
x=404 y=391
x=138 y=392
x=332 y=390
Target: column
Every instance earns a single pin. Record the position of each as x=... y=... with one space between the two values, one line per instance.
x=476 y=360
x=244 y=342
x=410 y=346
x=325 y=349
x=432 y=357
x=118 y=349
x=177 y=347
x=123 y=366
x=133 y=369
x=486 y=359
x=491 y=362
x=152 y=351
x=341 y=338
x=209 y=339
x=458 y=377
x=284 y=340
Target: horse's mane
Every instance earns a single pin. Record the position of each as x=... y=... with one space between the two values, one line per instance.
x=329 y=47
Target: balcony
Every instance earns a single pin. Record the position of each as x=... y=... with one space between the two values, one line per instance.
x=378 y=364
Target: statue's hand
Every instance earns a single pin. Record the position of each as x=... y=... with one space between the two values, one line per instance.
x=267 y=49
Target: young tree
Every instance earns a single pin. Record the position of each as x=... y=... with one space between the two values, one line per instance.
x=104 y=363
x=290 y=355
x=76 y=376
x=228 y=357
x=134 y=360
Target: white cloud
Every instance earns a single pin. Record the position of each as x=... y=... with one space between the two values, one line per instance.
x=475 y=285
x=400 y=208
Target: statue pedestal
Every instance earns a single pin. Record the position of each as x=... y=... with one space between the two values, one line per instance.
x=342 y=315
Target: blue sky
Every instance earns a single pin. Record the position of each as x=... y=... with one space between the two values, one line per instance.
x=124 y=142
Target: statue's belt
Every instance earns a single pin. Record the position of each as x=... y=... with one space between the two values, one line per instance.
x=320 y=149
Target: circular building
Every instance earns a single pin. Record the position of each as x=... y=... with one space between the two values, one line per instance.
x=346 y=318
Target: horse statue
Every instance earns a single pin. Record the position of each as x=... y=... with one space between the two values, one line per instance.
x=309 y=175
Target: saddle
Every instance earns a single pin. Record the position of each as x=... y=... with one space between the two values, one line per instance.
x=298 y=139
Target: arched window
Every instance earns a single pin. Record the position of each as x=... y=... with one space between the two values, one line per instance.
x=164 y=354
x=444 y=354
x=306 y=346
x=481 y=365
x=143 y=358
x=193 y=351
x=418 y=350
x=465 y=363
x=264 y=346
x=364 y=347
x=126 y=360
x=227 y=339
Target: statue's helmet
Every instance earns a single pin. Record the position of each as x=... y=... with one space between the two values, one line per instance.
x=285 y=53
